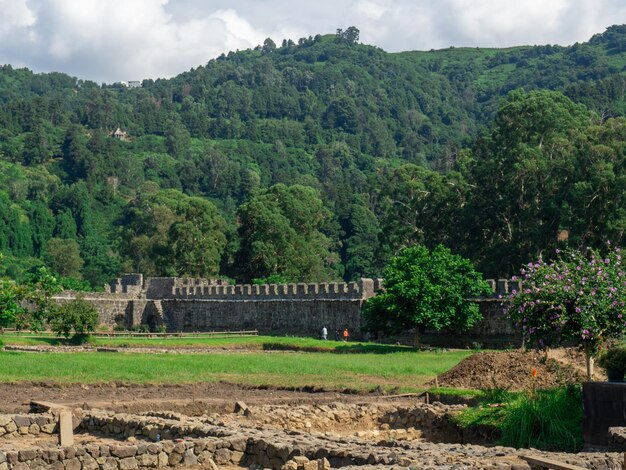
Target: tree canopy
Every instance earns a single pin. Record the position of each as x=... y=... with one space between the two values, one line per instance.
x=500 y=155
x=426 y=290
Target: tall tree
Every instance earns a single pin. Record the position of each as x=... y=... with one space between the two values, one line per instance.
x=280 y=234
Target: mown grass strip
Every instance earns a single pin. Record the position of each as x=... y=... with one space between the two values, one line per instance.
x=249 y=342
x=402 y=371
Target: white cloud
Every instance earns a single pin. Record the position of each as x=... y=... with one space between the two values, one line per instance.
x=15 y=14
x=110 y=40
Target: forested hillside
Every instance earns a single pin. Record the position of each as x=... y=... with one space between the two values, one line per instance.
x=315 y=160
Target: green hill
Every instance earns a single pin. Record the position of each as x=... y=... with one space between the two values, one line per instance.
x=392 y=145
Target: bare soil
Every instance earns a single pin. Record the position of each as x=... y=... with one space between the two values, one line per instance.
x=516 y=370
x=190 y=399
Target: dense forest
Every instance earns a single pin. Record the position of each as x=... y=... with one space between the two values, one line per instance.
x=315 y=160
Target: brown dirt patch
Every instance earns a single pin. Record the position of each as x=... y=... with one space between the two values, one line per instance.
x=512 y=370
x=190 y=399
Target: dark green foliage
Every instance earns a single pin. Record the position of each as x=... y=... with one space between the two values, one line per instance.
x=280 y=235
x=383 y=139
x=11 y=309
x=549 y=420
x=63 y=257
x=273 y=279
x=425 y=289
x=77 y=317
x=169 y=234
x=614 y=359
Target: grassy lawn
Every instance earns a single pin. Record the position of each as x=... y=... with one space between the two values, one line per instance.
x=401 y=371
x=247 y=343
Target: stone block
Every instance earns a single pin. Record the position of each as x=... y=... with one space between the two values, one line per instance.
x=123 y=451
x=162 y=460
x=129 y=463
x=290 y=465
x=56 y=465
x=174 y=459
x=209 y=464
x=89 y=463
x=189 y=458
x=154 y=448
x=73 y=464
x=109 y=464
x=148 y=460
x=236 y=457
x=27 y=454
x=66 y=428
x=41 y=420
x=48 y=428
x=12 y=458
x=310 y=465
x=93 y=450
x=222 y=456
x=21 y=421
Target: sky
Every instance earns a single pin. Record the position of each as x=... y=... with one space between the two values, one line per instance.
x=122 y=40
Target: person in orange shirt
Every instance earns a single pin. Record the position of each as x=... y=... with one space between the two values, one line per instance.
x=346 y=335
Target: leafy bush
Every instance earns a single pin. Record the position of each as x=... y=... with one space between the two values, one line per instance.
x=425 y=289
x=77 y=316
x=614 y=359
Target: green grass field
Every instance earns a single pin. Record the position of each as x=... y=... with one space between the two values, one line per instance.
x=400 y=371
x=246 y=343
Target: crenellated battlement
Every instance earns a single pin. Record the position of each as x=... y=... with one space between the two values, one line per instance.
x=159 y=288
x=362 y=290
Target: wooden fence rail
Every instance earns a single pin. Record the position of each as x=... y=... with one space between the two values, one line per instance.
x=137 y=334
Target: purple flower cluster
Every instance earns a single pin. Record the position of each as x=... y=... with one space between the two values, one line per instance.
x=579 y=296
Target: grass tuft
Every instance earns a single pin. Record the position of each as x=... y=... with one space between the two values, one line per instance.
x=544 y=419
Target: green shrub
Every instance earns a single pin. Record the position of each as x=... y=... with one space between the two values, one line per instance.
x=76 y=316
x=545 y=419
x=426 y=290
x=614 y=359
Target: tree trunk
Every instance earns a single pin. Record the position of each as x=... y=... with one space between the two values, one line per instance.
x=589 y=363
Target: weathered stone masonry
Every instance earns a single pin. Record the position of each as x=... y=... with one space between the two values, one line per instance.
x=208 y=305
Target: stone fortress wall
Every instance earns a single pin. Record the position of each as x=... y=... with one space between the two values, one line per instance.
x=214 y=305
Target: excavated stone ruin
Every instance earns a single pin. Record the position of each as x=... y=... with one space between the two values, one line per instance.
x=280 y=437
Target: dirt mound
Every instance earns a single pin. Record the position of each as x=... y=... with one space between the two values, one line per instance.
x=510 y=370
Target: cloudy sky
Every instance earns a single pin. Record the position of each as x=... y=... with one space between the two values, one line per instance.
x=112 y=40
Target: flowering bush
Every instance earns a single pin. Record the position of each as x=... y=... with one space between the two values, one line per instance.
x=578 y=298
